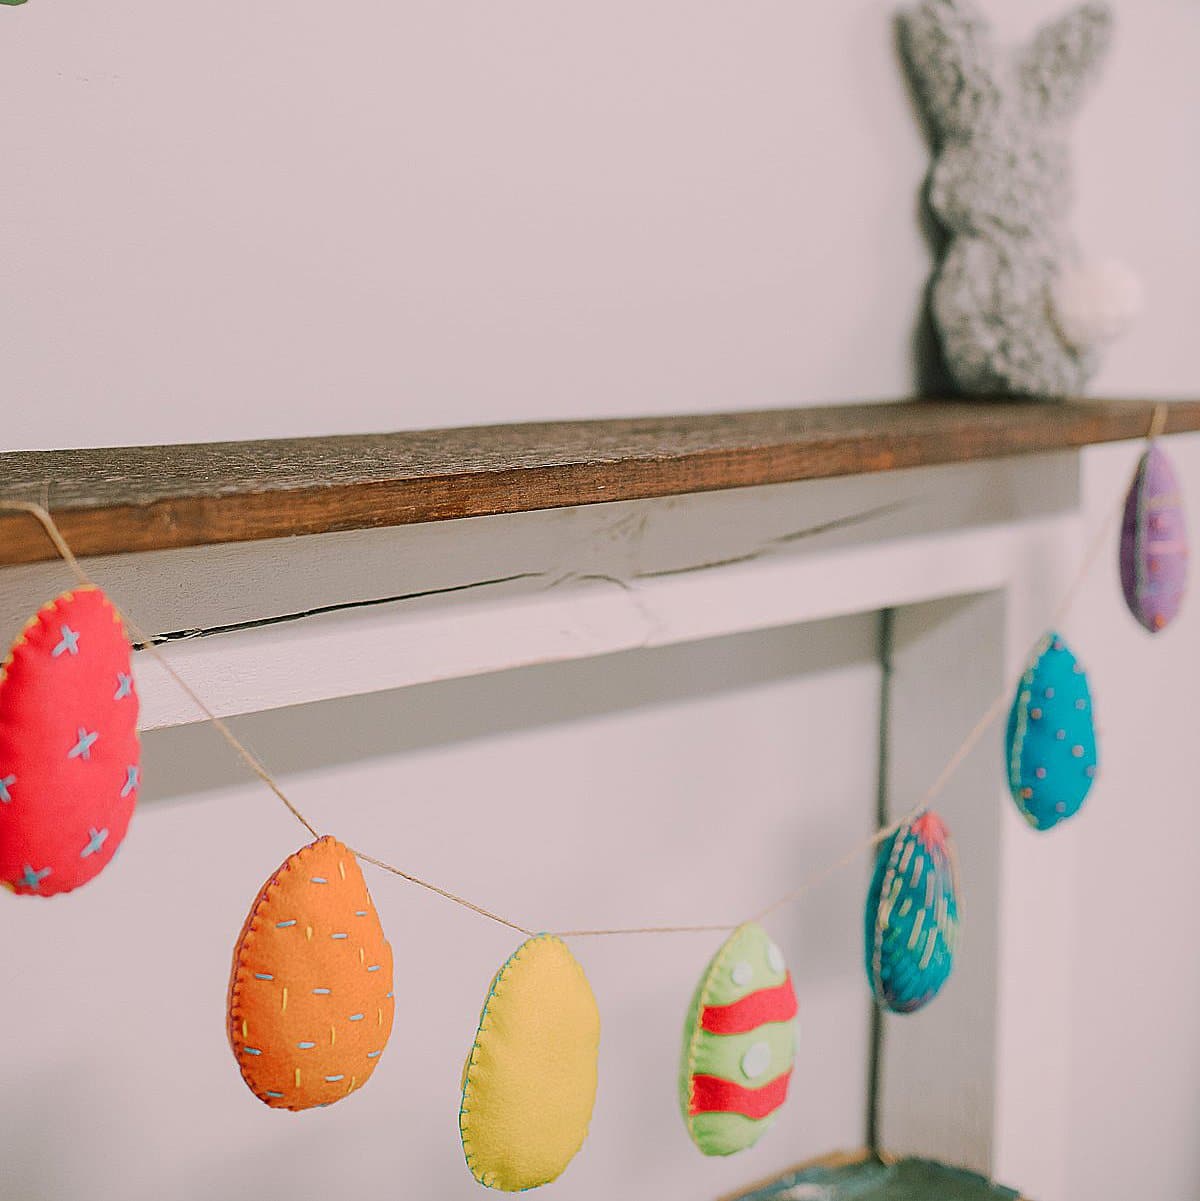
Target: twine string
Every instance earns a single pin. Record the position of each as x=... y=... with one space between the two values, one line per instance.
x=996 y=707
x=441 y=892
x=222 y=727
x=1158 y=423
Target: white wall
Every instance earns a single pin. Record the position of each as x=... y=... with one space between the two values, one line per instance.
x=1132 y=1106
x=297 y=218
x=285 y=218
x=679 y=785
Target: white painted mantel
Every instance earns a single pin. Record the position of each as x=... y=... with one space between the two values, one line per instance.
x=971 y=558
x=572 y=583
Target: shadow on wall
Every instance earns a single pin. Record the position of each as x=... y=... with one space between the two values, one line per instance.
x=930 y=374
x=192 y=759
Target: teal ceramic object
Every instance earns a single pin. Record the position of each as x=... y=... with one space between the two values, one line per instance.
x=1050 y=750
x=912 y=916
x=870 y=1180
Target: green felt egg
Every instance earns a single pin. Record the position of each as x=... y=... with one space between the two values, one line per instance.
x=738 y=1044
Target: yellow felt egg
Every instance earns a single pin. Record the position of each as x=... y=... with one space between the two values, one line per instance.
x=530 y=1079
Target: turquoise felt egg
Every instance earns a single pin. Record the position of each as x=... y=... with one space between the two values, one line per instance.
x=1050 y=749
x=912 y=915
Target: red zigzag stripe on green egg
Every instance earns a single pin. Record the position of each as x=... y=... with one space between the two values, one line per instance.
x=767 y=1005
x=711 y=1094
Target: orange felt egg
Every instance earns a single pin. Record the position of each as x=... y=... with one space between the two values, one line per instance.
x=310 y=998
x=69 y=764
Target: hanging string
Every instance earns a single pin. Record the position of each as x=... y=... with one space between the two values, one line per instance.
x=53 y=533
x=991 y=714
x=997 y=706
x=1158 y=423
x=244 y=753
x=441 y=892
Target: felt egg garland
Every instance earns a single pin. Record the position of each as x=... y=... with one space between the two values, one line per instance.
x=1154 y=551
x=310 y=996
x=1050 y=748
x=912 y=915
x=739 y=1044
x=529 y=1083
x=69 y=758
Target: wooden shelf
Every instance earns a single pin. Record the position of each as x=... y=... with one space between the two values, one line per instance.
x=143 y=498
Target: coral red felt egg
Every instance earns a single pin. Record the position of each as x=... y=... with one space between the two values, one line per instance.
x=69 y=762
x=310 y=997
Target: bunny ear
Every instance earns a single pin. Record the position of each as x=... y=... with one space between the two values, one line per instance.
x=1055 y=68
x=948 y=49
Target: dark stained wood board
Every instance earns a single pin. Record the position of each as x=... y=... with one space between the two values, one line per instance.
x=126 y=499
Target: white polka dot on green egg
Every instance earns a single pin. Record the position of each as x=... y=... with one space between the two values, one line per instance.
x=775 y=958
x=756 y=1060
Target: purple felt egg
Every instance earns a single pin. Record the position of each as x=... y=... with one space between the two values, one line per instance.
x=1154 y=549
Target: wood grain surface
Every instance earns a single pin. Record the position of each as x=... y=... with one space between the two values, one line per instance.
x=123 y=499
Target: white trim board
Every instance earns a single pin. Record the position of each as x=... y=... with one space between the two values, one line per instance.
x=593 y=581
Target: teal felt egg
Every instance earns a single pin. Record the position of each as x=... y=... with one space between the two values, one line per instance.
x=1050 y=749
x=912 y=915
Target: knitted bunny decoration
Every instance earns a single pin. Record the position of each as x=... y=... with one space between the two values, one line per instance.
x=1015 y=308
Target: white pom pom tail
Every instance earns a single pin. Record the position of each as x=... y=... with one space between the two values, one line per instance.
x=1094 y=302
